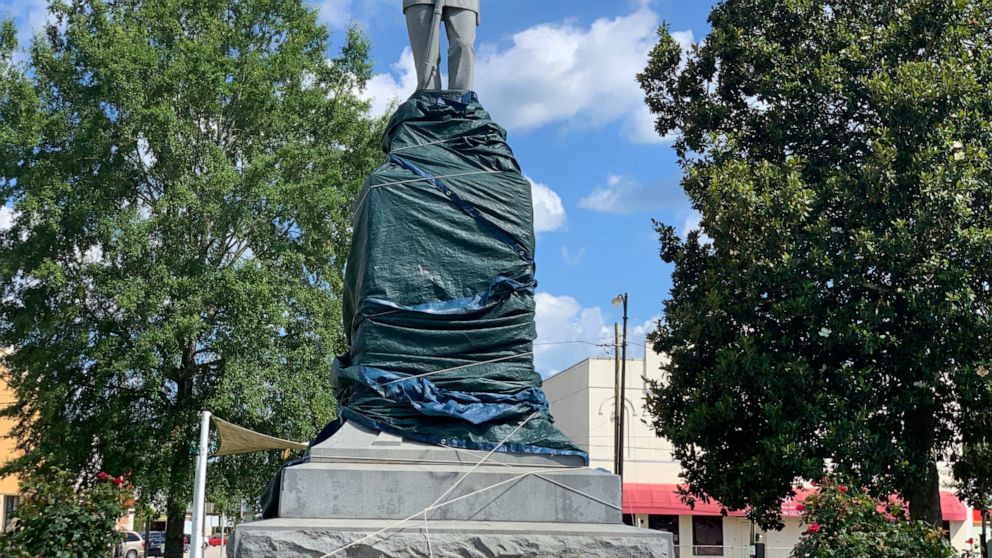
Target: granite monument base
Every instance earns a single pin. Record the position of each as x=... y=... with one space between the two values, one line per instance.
x=507 y=505
x=313 y=538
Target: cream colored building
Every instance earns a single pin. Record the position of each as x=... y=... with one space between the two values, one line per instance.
x=9 y=490
x=583 y=401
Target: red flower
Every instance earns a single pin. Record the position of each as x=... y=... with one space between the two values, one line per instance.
x=814 y=483
x=842 y=488
x=969 y=542
x=800 y=507
x=102 y=475
x=814 y=528
x=118 y=480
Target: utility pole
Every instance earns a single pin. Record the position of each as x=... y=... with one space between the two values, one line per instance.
x=617 y=400
x=618 y=300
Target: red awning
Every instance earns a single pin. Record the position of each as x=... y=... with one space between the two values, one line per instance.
x=663 y=499
x=951 y=508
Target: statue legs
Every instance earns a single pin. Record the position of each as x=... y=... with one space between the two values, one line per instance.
x=460 y=25
x=461 y=28
x=419 y=19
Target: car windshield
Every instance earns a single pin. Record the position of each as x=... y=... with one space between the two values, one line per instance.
x=156 y=537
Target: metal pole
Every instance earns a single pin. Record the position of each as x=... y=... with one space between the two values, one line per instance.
x=223 y=533
x=623 y=387
x=617 y=398
x=200 y=488
x=986 y=551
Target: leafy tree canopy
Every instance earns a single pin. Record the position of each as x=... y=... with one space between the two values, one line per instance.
x=181 y=174
x=836 y=313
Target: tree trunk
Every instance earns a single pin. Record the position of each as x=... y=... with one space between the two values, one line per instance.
x=924 y=497
x=176 y=518
x=922 y=489
x=181 y=464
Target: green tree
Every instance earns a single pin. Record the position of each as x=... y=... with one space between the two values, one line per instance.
x=182 y=174
x=62 y=518
x=836 y=314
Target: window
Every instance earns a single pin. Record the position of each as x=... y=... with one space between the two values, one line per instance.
x=132 y=537
x=9 y=508
x=707 y=535
x=668 y=523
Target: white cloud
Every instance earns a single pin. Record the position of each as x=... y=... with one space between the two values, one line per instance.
x=29 y=16
x=7 y=217
x=638 y=334
x=338 y=14
x=335 y=13
x=561 y=73
x=383 y=90
x=694 y=222
x=549 y=211
x=558 y=74
x=623 y=194
x=571 y=258
x=567 y=333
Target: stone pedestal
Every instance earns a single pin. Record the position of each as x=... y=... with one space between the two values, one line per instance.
x=513 y=505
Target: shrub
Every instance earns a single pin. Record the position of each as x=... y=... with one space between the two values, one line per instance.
x=63 y=517
x=844 y=521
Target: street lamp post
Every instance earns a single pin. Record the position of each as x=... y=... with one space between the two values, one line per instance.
x=617 y=301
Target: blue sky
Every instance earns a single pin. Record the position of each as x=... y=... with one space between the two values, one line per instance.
x=560 y=76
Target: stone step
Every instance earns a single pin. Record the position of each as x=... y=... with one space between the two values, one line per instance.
x=310 y=538
x=380 y=491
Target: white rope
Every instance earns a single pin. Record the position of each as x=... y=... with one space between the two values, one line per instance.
x=365 y=194
x=501 y=359
x=449 y=140
x=484 y=459
x=427 y=534
x=554 y=482
x=430 y=461
x=435 y=505
x=439 y=506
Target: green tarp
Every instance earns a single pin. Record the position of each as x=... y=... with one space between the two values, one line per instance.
x=439 y=307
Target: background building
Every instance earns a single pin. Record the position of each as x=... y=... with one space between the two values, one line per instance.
x=583 y=402
x=9 y=498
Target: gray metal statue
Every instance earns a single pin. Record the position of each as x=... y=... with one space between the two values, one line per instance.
x=423 y=22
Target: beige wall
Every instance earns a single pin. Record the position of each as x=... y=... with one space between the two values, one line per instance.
x=583 y=404
x=8 y=485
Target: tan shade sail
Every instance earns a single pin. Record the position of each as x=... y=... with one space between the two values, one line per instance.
x=235 y=440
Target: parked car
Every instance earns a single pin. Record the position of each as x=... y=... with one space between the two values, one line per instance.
x=217 y=540
x=156 y=543
x=131 y=547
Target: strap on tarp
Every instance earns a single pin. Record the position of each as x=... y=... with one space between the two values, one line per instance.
x=494 y=229
x=499 y=289
x=427 y=398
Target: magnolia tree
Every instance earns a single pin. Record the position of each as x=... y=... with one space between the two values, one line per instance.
x=838 y=310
